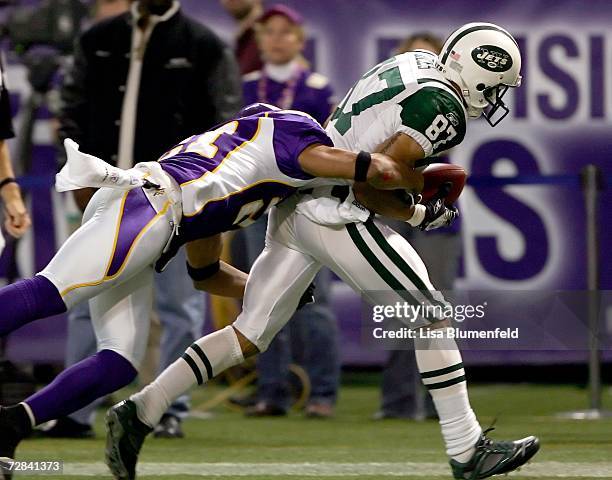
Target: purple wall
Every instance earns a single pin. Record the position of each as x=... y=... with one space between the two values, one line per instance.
x=519 y=237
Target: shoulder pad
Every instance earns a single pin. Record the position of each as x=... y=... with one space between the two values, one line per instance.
x=316 y=80
x=427 y=52
x=252 y=76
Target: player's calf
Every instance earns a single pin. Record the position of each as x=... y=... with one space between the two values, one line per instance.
x=204 y=359
x=472 y=454
x=28 y=300
x=129 y=422
x=441 y=368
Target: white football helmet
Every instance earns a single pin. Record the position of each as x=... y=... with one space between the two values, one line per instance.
x=483 y=60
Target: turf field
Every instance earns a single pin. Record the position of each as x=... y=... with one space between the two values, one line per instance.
x=227 y=445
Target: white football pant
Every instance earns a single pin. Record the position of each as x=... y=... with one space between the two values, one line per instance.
x=109 y=260
x=369 y=256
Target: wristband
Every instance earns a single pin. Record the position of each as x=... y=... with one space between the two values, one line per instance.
x=418 y=216
x=362 y=164
x=199 y=274
x=6 y=181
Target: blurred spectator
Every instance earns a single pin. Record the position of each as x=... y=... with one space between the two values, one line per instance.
x=403 y=395
x=246 y=13
x=420 y=41
x=285 y=82
x=141 y=82
x=17 y=220
x=109 y=8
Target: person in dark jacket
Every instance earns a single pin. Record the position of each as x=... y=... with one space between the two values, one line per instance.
x=141 y=82
x=183 y=80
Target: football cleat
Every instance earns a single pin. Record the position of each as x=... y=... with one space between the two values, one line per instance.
x=125 y=434
x=12 y=431
x=496 y=458
x=5 y=468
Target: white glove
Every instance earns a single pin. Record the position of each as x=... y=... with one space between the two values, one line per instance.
x=83 y=170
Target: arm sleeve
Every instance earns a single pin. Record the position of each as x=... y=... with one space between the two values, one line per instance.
x=434 y=119
x=73 y=97
x=291 y=137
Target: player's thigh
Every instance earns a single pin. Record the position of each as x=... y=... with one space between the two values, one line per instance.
x=121 y=316
x=373 y=259
x=277 y=281
x=121 y=234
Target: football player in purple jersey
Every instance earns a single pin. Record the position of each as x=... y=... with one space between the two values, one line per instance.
x=210 y=183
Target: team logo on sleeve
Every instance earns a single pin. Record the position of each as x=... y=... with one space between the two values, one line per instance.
x=452 y=118
x=492 y=58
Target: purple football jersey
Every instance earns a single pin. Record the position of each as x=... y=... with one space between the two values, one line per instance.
x=231 y=175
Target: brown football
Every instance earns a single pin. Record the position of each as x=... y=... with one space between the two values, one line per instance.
x=437 y=174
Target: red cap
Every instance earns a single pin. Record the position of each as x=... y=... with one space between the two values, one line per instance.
x=287 y=12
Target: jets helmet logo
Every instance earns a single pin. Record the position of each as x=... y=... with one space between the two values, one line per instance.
x=494 y=59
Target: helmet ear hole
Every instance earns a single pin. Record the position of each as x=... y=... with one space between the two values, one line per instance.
x=480 y=87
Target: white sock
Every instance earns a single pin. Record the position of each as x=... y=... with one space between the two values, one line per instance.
x=441 y=368
x=207 y=357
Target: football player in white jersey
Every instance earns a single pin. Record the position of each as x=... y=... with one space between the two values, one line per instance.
x=410 y=107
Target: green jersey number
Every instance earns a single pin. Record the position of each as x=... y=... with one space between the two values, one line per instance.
x=394 y=86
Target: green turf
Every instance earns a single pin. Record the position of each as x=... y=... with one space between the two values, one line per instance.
x=353 y=437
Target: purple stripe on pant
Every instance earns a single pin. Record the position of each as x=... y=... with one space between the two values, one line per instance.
x=137 y=213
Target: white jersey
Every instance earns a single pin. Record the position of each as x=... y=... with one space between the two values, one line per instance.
x=404 y=94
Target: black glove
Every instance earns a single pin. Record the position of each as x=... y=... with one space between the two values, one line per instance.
x=434 y=213
x=438 y=215
x=307 y=296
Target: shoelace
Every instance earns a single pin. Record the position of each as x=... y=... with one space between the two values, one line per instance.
x=488 y=443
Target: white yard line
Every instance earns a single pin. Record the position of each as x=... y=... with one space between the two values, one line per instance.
x=537 y=469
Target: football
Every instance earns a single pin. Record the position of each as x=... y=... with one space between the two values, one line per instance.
x=437 y=174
